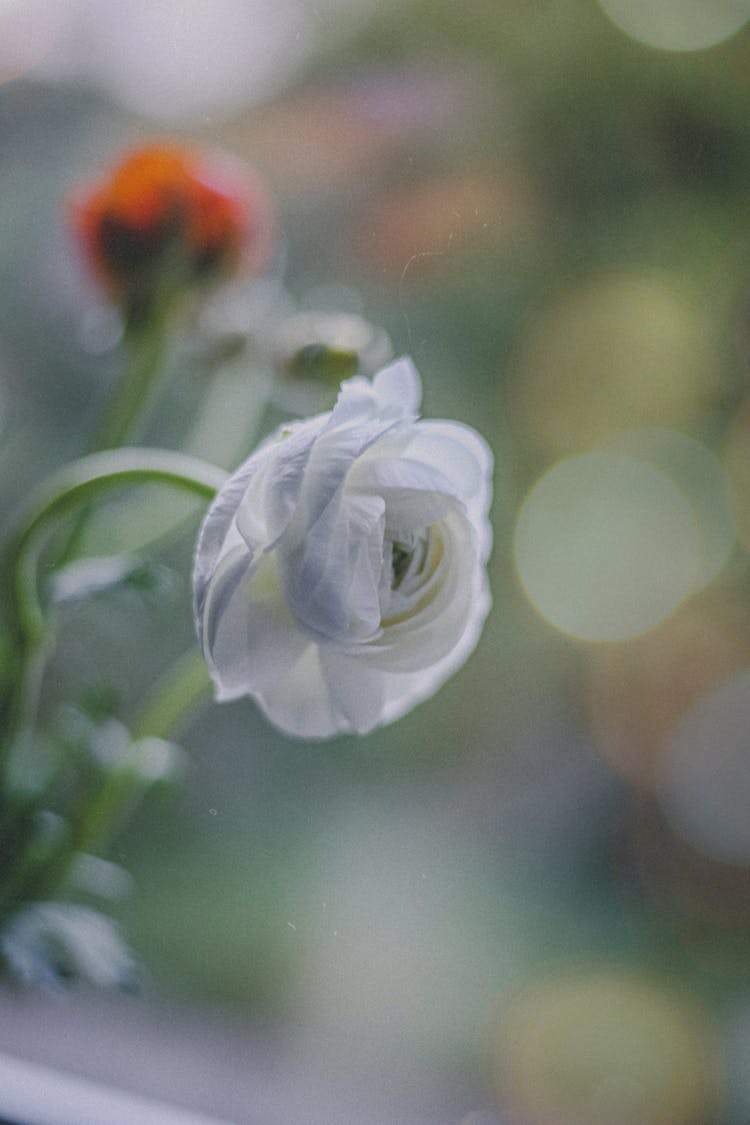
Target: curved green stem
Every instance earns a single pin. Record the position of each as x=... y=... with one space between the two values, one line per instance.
x=74 y=485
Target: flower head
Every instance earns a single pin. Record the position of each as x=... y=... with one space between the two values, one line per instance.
x=168 y=218
x=328 y=347
x=340 y=573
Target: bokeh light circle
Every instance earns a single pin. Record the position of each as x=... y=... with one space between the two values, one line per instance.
x=608 y=1047
x=678 y=25
x=704 y=776
x=186 y=60
x=616 y=351
x=736 y=457
x=28 y=31
x=639 y=691
x=700 y=476
x=606 y=547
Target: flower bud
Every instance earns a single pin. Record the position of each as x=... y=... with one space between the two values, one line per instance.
x=330 y=347
x=169 y=218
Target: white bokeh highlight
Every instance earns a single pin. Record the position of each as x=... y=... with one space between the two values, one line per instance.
x=606 y=546
x=700 y=476
x=678 y=25
x=182 y=60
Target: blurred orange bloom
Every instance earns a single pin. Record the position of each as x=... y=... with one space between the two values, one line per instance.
x=169 y=217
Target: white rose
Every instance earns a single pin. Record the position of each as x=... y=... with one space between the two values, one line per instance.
x=340 y=572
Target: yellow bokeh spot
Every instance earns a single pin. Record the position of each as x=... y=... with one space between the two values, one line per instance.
x=605 y=1047
x=618 y=351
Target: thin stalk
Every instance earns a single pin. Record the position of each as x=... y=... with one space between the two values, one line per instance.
x=99 y=811
x=173 y=698
x=146 y=344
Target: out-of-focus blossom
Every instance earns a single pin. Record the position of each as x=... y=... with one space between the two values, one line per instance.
x=168 y=218
x=329 y=347
x=340 y=572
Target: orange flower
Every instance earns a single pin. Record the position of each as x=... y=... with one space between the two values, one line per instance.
x=169 y=217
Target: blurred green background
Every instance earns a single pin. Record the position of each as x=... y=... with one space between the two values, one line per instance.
x=531 y=895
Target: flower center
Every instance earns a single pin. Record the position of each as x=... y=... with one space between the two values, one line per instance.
x=408 y=558
x=410 y=578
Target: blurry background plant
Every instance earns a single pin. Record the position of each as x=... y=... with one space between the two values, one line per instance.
x=158 y=228
x=168 y=219
x=166 y=223
x=547 y=206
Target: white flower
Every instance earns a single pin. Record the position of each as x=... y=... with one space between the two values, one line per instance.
x=340 y=572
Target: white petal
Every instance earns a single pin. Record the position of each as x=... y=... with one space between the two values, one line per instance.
x=214 y=530
x=438 y=616
x=356 y=690
x=416 y=495
x=365 y=532
x=325 y=693
x=299 y=703
x=394 y=393
x=331 y=581
x=405 y=690
x=398 y=387
x=458 y=453
x=269 y=503
x=250 y=639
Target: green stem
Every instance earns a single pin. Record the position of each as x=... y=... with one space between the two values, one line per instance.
x=99 y=811
x=35 y=875
x=104 y=804
x=173 y=698
x=77 y=484
x=38 y=869
x=146 y=342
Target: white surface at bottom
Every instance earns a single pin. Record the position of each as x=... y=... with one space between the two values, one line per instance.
x=36 y=1095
